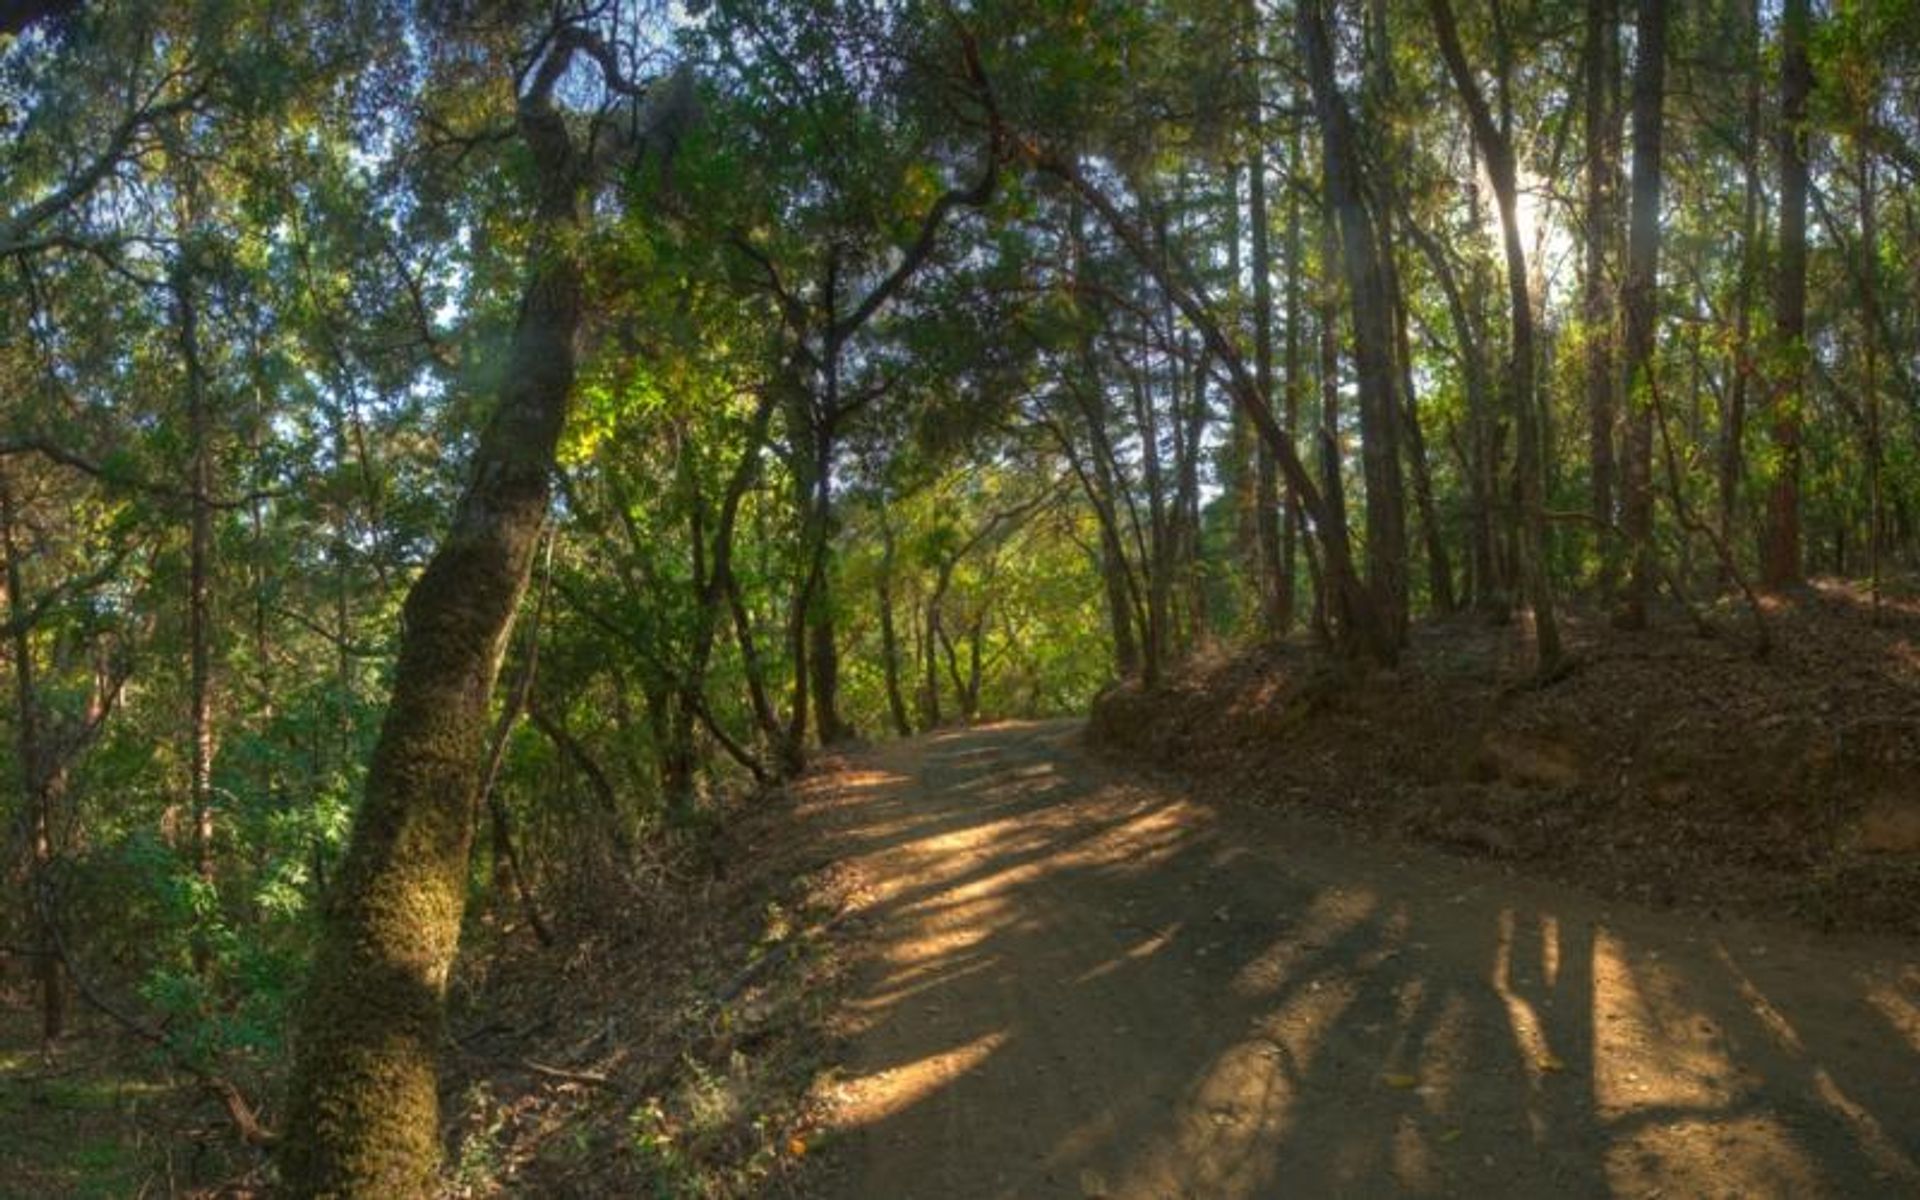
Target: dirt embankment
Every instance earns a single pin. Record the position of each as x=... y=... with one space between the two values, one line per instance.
x=1667 y=767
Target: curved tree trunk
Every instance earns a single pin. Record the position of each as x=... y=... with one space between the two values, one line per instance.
x=363 y=1114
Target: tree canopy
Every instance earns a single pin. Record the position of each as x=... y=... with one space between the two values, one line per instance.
x=446 y=448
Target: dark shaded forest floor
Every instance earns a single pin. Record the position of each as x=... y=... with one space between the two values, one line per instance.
x=1667 y=767
x=667 y=1044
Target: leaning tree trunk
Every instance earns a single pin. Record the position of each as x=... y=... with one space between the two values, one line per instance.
x=363 y=1114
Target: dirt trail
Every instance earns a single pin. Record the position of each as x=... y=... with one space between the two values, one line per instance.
x=1076 y=983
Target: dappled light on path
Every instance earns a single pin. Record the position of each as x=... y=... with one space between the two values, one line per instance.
x=1078 y=984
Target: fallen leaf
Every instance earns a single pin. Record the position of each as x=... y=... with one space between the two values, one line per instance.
x=1403 y=1082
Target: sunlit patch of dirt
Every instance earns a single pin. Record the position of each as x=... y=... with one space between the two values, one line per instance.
x=1070 y=981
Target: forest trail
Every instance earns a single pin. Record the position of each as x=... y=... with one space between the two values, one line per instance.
x=1075 y=982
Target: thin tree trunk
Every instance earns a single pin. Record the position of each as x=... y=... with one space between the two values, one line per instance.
x=199 y=595
x=1870 y=373
x=1332 y=458
x=1159 y=556
x=1440 y=594
x=889 y=640
x=1275 y=587
x=1530 y=533
x=1290 y=414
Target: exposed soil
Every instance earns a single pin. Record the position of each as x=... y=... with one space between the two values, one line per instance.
x=1666 y=767
x=1075 y=982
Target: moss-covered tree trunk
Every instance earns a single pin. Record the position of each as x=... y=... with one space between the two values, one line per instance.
x=363 y=1115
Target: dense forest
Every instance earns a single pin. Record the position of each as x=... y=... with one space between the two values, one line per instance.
x=453 y=456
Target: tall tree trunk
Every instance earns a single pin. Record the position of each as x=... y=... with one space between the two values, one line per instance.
x=1290 y=410
x=1643 y=259
x=930 y=657
x=1275 y=588
x=1780 y=557
x=1192 y=437
x=823 y=658
x=1497 y=148
x=1382 y=78
x=1597 y=290
x=1869 y=369
x=1332 y=456
x=1733 y=424
x=1440 y=595
x=1122 y=588
x=1159 y=556
x=363 y=1111
x=1380 y=418
x=199 y=593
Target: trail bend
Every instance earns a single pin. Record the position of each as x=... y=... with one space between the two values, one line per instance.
x=1073 y=982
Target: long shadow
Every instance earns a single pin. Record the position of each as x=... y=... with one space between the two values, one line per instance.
x=1082 y=987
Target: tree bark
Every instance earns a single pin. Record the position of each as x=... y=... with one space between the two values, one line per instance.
x=1597 y=291
x=889 y=640
x=1643 y=258
x=1780 y=558
x=1275 y=587
x=1291 y=355
x=1497 y=148
x=199 y=594
x=1740 y=368
x=1372 y=328
x=363 y=1110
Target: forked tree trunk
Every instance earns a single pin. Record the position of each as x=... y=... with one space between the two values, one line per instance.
x=1530 y=528
x=1380 y=417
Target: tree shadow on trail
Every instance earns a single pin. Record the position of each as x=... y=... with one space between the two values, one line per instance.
x=1081 y=986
